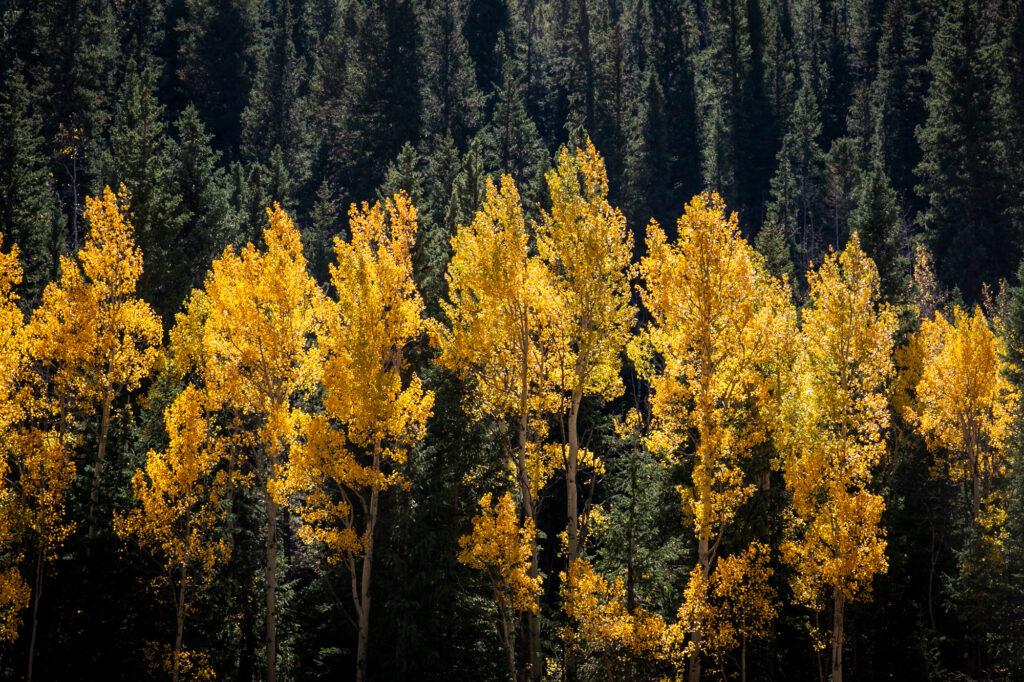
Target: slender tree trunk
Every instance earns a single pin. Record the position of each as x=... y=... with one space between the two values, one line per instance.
x=37 y=594
x=364 y=588
x=743 y=660
x=533 y=648
x=704 y=558
x=180 y=631
x=101 y=456
x=837 y=637
x=510 y=650
x=571 y=493
x=270 y=573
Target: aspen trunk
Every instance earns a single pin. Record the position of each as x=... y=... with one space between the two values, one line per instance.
x=37 y=593
x=364 y=588
x=101 y=456
x=704 y=557
x=180 y=631
x=837 y=638
x=510 y=651
x=270 y=573
x=743 y=661
x=571 y=493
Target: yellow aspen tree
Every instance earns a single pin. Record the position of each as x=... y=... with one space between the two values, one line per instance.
x=37 y=466
x=839 y=415
x=249 y=334
x=502 y=547
x=14 y=591
x=375 y=408
x=180 y=512
x=720 y=329
x=585 y=244
x=605 y=625
x=965 y=403
x=499 y=336
x=91 y=336
x=731 y=606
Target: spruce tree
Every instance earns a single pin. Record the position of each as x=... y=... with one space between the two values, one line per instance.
x=209 y=224
x=276 y=115
x=797 y=207
x=27 y=202
x=218 y=50
x=964 y=214
x=511 y=143
x=451 y=101
x=648 y=192
x=878 y=221
x=139 y=158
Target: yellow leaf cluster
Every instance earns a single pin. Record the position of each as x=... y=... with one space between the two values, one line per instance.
x=838 y=414
x=735 y=602
x=502 y=547
x=249 y=334
x=181 y=494
x=965 y=402
x=584 y=243
x=499 y=313
x=374 y=410
x=603 y=623
x=91 y=333
x=721 y=328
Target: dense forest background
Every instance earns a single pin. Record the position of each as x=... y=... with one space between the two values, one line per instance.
x=903 y=119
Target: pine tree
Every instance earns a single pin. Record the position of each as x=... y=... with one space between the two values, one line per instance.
x=139 y=159
x=217 y=61
x=964 y=214
x=878 y=221
x=27 y=201
x=797 y=206
x=451 y=100
x=511 y=142
x=209 y=223
x=648 y=189
x=276 y=115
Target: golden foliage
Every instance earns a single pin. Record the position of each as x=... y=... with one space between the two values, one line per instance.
x=603 y=623
x=964 y=401
x=721 y=329
x=838 y=416
x=734 y=603
x=181 y=495
x=249 y=335
x=587 y=249
x=502 y=548
x=91 y=334
x=374 y=408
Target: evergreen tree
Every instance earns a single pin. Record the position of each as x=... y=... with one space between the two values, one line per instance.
x=796 y=208
x=139 y=158
x=276 y=115
x=878 y=221
x=964 y=215
x=1008 y=105
x=208 y=221
x=897 y=93
x=26 y=196
x=648 y=192
x=216 y=62
x=511 y=143
x=451 y=100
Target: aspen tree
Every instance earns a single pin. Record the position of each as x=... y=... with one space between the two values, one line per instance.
x=375 y=408
x=91 y=336
x=720 y=329
x=180 y=513
x=249 y=337
x=584 y=242
x=498 y=335
x=965 y=402
x=839 y=415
